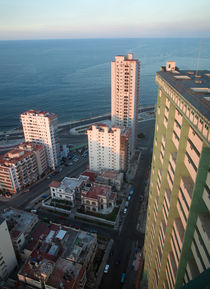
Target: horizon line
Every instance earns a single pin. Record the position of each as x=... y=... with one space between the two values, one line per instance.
x=109 y=38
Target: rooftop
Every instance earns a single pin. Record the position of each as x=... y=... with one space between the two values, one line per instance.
x=98 y=190
x=194 y=87
x=18 y=220
x=69 y=185
x=58 y=254
x=37 y=112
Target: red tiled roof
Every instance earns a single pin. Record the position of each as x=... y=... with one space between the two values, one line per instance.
x=112 y=196
x=54 y=184
x=89 y=174
x=98 y=189
x=15 y=233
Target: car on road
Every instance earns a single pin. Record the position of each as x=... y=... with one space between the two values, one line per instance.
x=34 y=211
x=106 y=269
x=131 y=191
x=122 y=278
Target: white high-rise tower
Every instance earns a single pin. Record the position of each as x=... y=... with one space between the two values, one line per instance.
x=41 y=127
x=125 y=74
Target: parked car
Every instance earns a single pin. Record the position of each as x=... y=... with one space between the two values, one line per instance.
x=34 y=211
x=129 y=197
x=125 y=211
x=126 y=204
x=122 y=278
x=106 y=269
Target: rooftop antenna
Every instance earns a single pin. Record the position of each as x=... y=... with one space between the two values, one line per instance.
x=198 y=61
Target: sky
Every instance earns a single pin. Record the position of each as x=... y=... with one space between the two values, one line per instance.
x=48 y=19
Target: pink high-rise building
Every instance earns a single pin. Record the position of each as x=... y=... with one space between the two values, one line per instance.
x=125 y=74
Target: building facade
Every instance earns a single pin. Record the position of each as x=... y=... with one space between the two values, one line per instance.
x=125 y=75
x=41 y=127
x=8 y=259
x=98 y=197
x=177 y=241
x=68 y=189
x=108 y=147
x=21 y=167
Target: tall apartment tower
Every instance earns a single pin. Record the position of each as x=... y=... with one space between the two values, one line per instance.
x=125 y=74
x=41 y=127
x=8 y=259
x=177 y=240
x=108 y=147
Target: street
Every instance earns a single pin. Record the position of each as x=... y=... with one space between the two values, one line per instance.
x=127 y=238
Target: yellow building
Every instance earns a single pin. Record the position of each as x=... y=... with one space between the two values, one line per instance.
x=177 y=241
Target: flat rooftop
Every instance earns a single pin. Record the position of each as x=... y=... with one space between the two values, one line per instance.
x=69 y=184
x=58 y=254
x=19 y=220
x=194 y=87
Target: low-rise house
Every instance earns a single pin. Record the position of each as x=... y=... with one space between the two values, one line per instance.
x=68 y=188
x=98 y=197
x=111 y=178
x=58 y=257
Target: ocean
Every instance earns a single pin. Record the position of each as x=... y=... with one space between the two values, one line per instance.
x=72 y=77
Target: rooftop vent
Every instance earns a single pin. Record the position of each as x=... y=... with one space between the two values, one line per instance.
x=201 y=89
x=182 y=77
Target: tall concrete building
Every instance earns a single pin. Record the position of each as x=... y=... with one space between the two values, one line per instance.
x=177 y=241
x=22 y=166
x=8 y=259
x=125 y=74
x=108 y=147
x=41 y=127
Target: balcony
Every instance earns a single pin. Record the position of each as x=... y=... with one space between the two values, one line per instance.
x=192 y=270
x=165 y=121
x=172 y=160
x=175 y=139
x=171 y=270
x=202 y=238
x=190 y=166
x=178 y=117
x=177 y=129
x=206 y=192
x=193 y=153
x=195 y=139
x=178 y=235
x=167 y=102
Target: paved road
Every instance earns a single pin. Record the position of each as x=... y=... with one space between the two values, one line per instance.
x=21 y=200
x=129 y=236
x=125 y=240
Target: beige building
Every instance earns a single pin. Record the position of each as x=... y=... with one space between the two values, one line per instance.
x=8 y=259
x=98 y=197
x=41 y=127
x=21 y=167
x=108 y=147
x=125 y=74
x=177 y=240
